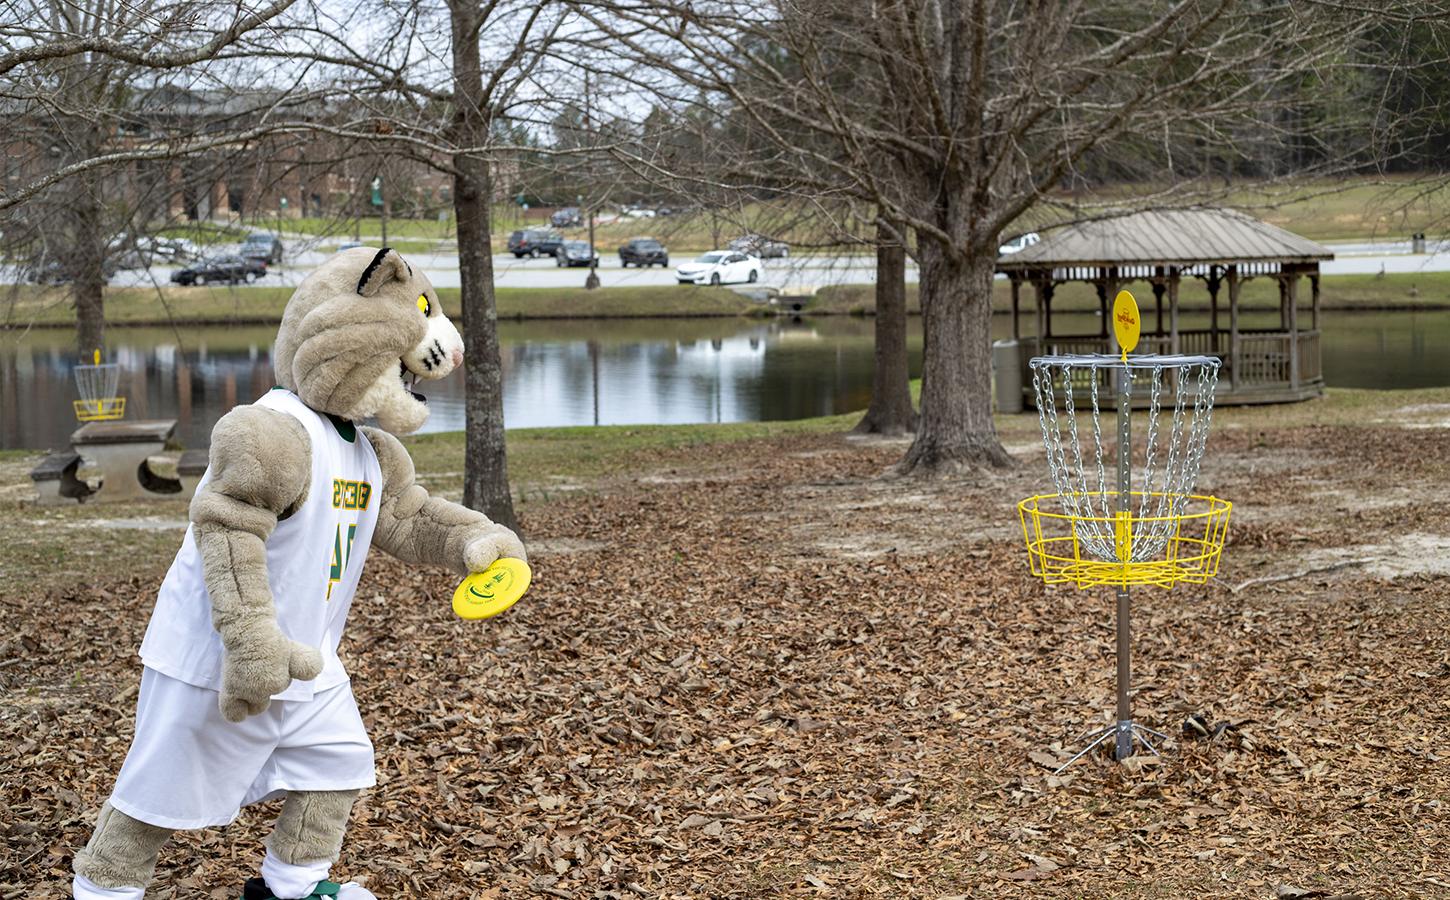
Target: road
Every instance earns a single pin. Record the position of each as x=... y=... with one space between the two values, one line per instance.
x=792 y=274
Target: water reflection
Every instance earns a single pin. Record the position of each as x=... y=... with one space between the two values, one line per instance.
x=618 y=372
x=554 y=373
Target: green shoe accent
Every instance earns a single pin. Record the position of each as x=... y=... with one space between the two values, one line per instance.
x=257 y=890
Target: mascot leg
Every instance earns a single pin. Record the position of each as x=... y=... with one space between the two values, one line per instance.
x=305 y=842
x=120 y=859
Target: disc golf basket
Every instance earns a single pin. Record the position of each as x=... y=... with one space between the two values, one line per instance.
x=1107 y=524
x=97 y=385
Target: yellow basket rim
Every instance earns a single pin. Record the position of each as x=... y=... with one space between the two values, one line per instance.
x=1216 y=506
x=1055 y=556
x=101 y=409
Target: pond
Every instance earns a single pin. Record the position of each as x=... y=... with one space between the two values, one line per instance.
x=610 y=372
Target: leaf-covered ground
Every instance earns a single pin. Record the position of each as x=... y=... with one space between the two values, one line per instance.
x=770 y=670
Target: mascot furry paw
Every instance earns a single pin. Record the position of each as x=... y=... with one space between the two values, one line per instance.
x=243 y=696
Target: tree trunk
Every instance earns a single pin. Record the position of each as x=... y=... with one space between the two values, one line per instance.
x=87 y=269
x=956 y=430
x=890 y=411
x=485 y=466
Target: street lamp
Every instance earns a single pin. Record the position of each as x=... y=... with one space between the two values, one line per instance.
x=592 y=281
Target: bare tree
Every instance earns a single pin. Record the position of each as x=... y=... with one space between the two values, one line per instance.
x=455 y=110
x=74 y=76
x=890 y=411
x=955 y=119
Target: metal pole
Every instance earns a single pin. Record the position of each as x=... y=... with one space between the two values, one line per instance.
x=1124 y=742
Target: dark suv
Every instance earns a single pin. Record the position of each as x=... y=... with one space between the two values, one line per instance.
x=263 y=246
x=644 y=252
x=229 y=269
x=535 y=242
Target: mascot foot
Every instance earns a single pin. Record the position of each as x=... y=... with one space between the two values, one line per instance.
x=256 y=889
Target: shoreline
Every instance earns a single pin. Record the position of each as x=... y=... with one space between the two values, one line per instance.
x=48 y=308
x=763 y=312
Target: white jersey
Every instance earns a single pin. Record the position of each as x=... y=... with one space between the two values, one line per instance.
x=314 y=560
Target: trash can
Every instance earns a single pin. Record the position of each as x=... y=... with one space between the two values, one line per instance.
x=1417 y=242
x=1007 y=376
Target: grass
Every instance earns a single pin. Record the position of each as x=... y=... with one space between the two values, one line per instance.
x=344 y=229
x=1349 y=209
x=45 y=546
x=546 y=461
x=1352 y=209
x=1345 y=209
x=27 y=305
x=207 y=233
x=30 y=305
x=406 y=246
x=685 y=233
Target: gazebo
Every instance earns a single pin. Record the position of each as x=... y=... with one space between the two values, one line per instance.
x=1222 y=248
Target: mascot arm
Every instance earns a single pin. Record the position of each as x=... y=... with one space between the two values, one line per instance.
x=260 y=470
x=418 y=528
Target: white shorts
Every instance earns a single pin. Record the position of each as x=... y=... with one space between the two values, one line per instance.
x=190 y=768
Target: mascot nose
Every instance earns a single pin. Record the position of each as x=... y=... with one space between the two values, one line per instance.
x=457 y=357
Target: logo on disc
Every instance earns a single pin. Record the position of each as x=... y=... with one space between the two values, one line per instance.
x=490 y=592
x=1126 y=323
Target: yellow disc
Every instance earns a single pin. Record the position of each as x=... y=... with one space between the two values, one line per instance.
x=495 y=589
x=1126 y=323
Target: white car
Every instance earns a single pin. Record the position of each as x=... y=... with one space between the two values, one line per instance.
x=1019 y=243
x=719 y=267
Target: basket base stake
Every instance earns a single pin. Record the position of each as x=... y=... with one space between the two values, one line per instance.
x=1125 y=733
x=1124 y=747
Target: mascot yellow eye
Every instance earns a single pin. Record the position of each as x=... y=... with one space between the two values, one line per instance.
x=424 y=306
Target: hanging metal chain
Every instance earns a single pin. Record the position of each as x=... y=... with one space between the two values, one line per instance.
x=1164 y=487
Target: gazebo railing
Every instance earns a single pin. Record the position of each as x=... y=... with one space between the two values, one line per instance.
x=1310 y=367
x=1262 y=360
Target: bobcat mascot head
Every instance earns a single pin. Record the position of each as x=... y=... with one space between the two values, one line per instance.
x=359 y=333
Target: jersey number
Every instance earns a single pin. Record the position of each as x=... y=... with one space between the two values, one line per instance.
x=341 y=552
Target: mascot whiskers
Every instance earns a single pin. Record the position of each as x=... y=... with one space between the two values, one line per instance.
x=243 y=695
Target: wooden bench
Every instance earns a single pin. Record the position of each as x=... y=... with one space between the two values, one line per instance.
x=55 y=479
x=189 y=470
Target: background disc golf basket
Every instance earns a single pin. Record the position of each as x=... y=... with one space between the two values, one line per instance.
x=97 y=385
x=1107 y=525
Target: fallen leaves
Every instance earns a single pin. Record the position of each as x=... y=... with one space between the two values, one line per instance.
x=723 y=703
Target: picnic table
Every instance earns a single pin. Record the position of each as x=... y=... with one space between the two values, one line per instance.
x=117 y=456
x=121 y=451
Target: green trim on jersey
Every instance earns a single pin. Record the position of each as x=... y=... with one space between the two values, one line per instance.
x=345 y=429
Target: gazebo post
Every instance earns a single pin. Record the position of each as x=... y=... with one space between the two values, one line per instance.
x=1213 y=283
x=1042 y=291
x=1233 y=326
x=1016 y=288
x=1291 y=301
x=1173 y=276
x=1283 y=300
x=1047 y=290
x=1314 y=298
x=1158 y=287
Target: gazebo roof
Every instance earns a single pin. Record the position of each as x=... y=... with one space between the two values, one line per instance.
x=1175 y=237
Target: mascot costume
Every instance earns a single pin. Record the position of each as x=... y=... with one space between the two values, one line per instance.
x=243 y=696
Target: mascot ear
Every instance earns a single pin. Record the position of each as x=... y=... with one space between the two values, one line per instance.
x=386 y=266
